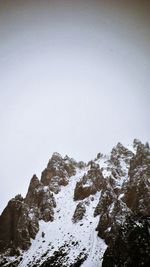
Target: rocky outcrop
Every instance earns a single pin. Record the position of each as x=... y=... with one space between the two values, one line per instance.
x=137 y=190
x=120 y=152
x=131 y=245
x=58 y=172
x=128 y=236
x=79 y=212
x=90 y=183
x=19 y=222
x=40 y=200
x=119 y=164
x=17 y=226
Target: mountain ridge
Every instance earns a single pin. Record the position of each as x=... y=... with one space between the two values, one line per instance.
x=77 y=213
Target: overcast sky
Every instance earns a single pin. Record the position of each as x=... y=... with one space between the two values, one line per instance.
x=74 y=78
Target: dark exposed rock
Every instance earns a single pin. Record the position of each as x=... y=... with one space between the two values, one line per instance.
x=16 y=225
x=137 y=190
x=119 y=163
x=71 y=164
x=40 y=200
x=112 y=212
x=128 y=237
x=58 y=172
x=19 y=221
x=59 y=259
x=120 y=152
x=111 y=207
x=81 y=164
x=90 y=183
x=79 y=212
x=43 y=234
x=131 y=245
x=54 y=181
x=99 y=155
x=31 y=197
x=106 y=199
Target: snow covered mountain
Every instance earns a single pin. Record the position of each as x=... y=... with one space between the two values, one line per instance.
x=78 y=214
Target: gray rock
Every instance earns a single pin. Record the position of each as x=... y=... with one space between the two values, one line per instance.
x=79 y=212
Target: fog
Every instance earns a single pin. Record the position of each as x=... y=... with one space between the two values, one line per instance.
x=74 y=79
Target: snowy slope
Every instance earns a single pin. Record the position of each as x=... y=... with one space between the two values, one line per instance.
x=79 y=237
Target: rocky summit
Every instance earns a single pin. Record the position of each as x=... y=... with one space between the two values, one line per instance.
x=82 y=214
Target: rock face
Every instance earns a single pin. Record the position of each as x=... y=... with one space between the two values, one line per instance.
x=131 y=245
x=137 y=191
x=90 y=183
x=16 y=226
x=110 y=194
x=125 y=229
x=19 y=222
x=40 y=200
x=79 y=212
x=58 y=172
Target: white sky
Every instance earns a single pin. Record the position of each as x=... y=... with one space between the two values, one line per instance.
x=74 y=79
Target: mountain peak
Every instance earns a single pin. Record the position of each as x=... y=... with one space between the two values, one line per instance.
x=54 y=225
